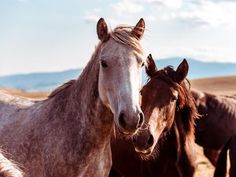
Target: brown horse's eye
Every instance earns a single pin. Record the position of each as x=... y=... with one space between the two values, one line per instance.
x=104 y=64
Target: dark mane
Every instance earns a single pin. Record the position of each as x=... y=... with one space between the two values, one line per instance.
x=186 y=102
x=61 y=88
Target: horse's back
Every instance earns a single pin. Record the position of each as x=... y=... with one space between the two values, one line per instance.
x=217 y=122
x=218 y=115
x=19 y=131
x=7 y=99
x=11 y=105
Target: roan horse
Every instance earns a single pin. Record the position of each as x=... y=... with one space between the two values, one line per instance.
x=166 y=141
x=217 y=122
x=69 y=133
x=8 y=168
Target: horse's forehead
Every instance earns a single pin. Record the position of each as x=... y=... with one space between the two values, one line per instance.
x=157 y=84
x=116 y=49
x=159 y=88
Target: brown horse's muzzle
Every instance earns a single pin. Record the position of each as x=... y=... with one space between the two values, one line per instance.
x=143 y=141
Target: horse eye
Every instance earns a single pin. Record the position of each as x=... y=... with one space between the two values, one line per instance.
x=142 y=64
x=104 y=64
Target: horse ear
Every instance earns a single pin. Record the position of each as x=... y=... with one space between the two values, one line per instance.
x=138 y=30
x=102 y=30
x=150 y=68
x=182 y=71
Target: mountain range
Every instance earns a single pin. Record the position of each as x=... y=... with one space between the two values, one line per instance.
x=47 y=81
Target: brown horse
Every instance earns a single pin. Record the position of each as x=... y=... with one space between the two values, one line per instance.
x=217 y=123
x=69 y=133
x=221 y=164
x=8 y=168
x=165 y=141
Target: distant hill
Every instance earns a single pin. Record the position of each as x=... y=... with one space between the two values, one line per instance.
x=199 y=69
x=38 y=81
x=48 y=81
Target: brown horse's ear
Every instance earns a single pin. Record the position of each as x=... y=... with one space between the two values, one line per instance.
x=138 y=30
x=102 y=30
x=182 y=71
x=150 y=68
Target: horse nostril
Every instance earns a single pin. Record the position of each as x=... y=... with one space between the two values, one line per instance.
x=150 y=140
x=141 y=120
x=122 y=120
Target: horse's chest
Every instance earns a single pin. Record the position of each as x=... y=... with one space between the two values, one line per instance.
x=97 y=164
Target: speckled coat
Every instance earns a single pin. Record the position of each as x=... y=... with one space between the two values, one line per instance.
x=68 y=134
x=59 y=136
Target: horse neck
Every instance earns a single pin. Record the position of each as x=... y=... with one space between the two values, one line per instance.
x=86 y=91
x=81 y=101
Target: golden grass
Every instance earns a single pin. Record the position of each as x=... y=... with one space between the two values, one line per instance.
x=217 y=85
x=32 y=95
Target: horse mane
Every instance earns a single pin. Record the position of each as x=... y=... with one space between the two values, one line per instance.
x=122 y=34
x=61 y=88
x=8 y=168
x=185 y=104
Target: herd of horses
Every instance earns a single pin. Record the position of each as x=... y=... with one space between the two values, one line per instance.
x=105 y=124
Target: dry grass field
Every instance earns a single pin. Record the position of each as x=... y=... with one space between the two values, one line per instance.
x=220 y=85
x=216 y=85
x=32 y=95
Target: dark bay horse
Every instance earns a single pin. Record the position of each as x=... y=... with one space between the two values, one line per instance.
x=217 y=122
x=221 y=165
x=165 y=142
x=69 y=133
x=8 y=168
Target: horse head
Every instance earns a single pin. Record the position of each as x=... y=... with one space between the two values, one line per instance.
x=121 y=60
x=163 y=98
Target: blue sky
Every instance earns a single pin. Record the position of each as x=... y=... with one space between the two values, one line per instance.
x=53 y=35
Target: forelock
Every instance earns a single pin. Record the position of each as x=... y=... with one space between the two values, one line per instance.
x=122 y=34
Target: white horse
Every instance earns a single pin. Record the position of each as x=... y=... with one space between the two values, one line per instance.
x=69 y=133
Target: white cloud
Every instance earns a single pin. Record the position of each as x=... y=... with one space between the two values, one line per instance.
x=171 y=4
x=214 y=14
x=205 y=13
x=92 y=16
x=222 y=1
x=125 y=7
x=150 y=18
